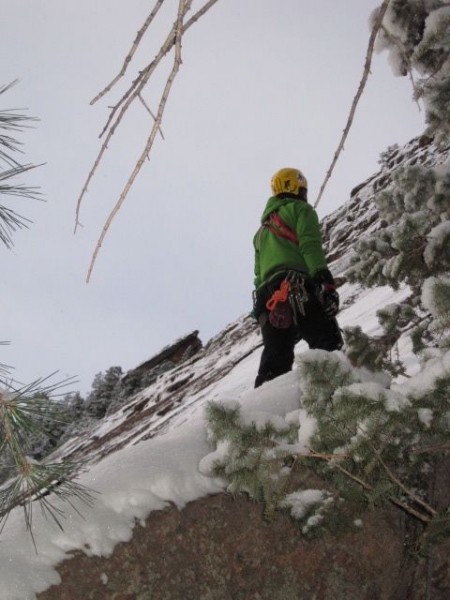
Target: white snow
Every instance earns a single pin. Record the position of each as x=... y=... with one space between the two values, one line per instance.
x=301 y=502
x=425 y=416
x=428 y=297
x=437 y=241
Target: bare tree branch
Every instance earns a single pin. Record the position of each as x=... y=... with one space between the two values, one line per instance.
x=183 y=7
x=362 y=84
x=400 y=484
x=140 y=81
x=144 y=103
x=424 y=518
x=132 y=94
x=129 y=56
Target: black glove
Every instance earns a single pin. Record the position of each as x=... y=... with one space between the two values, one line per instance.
x=326 y=292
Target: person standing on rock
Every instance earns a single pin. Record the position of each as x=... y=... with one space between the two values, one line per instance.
x=295 y=295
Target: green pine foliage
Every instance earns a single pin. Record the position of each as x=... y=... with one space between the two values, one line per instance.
x=31 y=423
x=374 y=444
x=380 y=353
x=407 y=249
x=255 y=457
x=321 y=372
x=436 y=298
x=412 y=250
x=29 y=481
x=105 y=389
x=11 y=123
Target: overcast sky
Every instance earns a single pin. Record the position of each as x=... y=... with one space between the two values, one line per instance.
x=264 y=84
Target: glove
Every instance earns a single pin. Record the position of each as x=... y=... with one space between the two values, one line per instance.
x=329 y=299
x=326 y=292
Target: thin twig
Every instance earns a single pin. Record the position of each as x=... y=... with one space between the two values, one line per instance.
x=432 y=449
x=147 y=108
x=362 y=84
x=143 y=78
x=407 y=491
x=314 y=454
x=183 y=7
x=418 y=515
x=129 y=56
x=368 y=487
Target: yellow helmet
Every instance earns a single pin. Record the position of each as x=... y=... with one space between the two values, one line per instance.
x=288 y=180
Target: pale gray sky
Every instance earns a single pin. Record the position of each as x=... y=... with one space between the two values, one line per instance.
x=264 y=84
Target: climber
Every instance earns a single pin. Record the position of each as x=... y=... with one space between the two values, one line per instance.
x=295 y=295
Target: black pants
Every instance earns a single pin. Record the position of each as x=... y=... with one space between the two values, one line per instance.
x=315 y=327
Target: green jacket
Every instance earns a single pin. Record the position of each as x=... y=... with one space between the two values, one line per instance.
x=273 y=253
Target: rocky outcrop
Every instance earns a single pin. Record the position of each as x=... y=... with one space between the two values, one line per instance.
x=359 y=216
x=173 y=354
x=221 y=548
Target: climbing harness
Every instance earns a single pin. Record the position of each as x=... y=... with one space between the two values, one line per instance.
x=287 y=303
x=278 y=227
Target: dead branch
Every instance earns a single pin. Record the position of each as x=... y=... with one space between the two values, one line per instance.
x=445 y=447
x=407 y=491
x=424 y=518
x=147 y=71
x=132 y=94
x=415 y=513
x=184 y=5
x=321 y=455
x=143 y=79
x=129 y=56
x=362 y=84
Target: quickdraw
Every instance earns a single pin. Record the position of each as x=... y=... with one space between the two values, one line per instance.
x=293 y=290
x=298 y=295
x=280 y=295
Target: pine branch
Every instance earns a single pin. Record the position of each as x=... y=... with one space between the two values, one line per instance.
x=431 y=449
x=34 y=482
x=10 y=222
x=409 y=493
x=11 y=121
x=324 y=456
x=362 y=85
x=394 y=40
x=413 y=512
x=369 y=488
